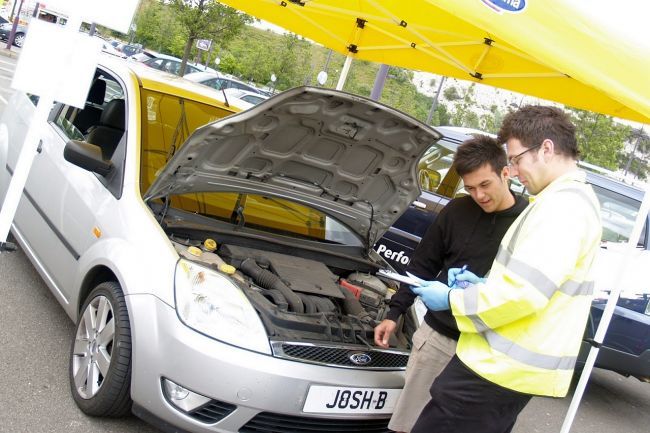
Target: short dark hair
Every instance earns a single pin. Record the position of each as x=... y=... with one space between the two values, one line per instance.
x=478 y=151
x=533 y=124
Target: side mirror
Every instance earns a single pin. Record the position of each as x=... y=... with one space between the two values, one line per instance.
x=87 y=156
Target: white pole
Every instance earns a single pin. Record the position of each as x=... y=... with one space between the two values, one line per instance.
x=607 y=313
x=344 y=73
x=21 y=170
x=28 y=153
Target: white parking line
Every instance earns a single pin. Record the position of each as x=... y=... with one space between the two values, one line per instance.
x=6 y=78
x=3 y=99
x=6 y=69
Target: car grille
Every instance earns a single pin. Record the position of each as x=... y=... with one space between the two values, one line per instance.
x=266 y=422
x=340 y=357
x=213 y=411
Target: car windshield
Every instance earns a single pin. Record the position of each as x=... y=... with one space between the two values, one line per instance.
x=268 y=214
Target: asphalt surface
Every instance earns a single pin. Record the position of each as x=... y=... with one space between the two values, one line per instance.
x=35 y=338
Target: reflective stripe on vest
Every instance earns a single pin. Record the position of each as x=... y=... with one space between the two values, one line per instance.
x=525 y=356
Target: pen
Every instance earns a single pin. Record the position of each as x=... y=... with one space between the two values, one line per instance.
x=462 y=284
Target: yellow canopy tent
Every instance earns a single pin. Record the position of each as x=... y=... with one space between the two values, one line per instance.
x=547 y=49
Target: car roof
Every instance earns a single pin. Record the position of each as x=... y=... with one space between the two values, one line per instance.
x=615 y=185
x=238 y=93
x=166 y=57
x=201 y=75
x=205 y=75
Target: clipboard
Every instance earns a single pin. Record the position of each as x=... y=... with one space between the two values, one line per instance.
x=411 y=280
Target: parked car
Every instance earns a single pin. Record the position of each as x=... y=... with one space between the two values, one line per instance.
x=169 y=64
x=108 y=48
x=626 y=348
x=227 y=283
x=129 y=49
x=19 y=38
x=243 y=99
x=220 y=82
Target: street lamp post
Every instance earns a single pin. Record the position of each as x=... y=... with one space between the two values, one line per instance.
x=12 y=34
x=434 y=103
x=273 y=79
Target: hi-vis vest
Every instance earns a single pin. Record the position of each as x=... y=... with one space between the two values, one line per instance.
x=522 y=329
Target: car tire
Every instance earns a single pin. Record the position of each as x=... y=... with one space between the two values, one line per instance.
x=101 y=354
x=19 y=38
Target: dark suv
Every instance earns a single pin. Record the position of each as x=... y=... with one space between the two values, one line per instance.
x=626 y=348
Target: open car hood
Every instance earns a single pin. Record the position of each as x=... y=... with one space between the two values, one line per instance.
x=350 y=157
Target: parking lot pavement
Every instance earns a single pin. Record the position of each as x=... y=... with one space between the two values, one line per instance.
x=35 y=338
x=13 y=52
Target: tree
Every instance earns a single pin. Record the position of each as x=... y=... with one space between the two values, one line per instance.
x=292 y=61
x=451 y=94
x=491 y=122
x=206 y=19
x=463 y=114
x=634 y=164
x=600 y=139
x=158 y=28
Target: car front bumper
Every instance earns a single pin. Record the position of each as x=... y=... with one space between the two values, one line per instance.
x=250 y=383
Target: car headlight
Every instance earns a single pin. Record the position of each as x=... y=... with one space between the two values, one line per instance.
x=212 y=304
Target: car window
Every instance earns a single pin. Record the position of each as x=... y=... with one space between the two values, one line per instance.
x=166 y=123
x=69 y=118
x=433 y=171
x=105 y=132
x=252 y=99
x=215 y=83
x=618 y=214
x=155 y=63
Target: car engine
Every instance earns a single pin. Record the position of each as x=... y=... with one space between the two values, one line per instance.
x=303 y=301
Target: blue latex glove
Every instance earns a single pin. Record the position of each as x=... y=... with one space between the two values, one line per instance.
x=434 y=294
x=461 y=278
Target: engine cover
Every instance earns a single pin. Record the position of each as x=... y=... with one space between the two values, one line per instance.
x=301 y=275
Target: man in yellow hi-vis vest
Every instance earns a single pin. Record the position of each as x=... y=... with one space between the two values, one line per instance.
x=521 y=328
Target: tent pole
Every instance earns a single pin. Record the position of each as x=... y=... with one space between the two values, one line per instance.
x=607 y=313
x=344 y=73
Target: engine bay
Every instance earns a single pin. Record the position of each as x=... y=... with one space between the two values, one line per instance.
x=303 y=300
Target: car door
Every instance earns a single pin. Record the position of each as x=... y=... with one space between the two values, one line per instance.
x=56 y=216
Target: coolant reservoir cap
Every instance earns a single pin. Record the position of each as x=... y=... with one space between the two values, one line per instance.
x=194 y=251
x=210 y=244
x=227 y=269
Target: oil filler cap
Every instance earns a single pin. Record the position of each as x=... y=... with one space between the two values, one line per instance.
x=210 y=245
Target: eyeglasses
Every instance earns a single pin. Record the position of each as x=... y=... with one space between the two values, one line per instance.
x=514 y=161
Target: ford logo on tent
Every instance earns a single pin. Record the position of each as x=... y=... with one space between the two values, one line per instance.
x=506 y=5
x=360 y=358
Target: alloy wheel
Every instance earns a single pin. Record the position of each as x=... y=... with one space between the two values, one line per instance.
x=93 y=347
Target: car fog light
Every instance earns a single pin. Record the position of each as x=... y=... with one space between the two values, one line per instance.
x=181 y=397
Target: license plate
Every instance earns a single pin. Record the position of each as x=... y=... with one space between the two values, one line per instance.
x=336 y=399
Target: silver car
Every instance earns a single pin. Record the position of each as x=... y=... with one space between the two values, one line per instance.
x=221 y=280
